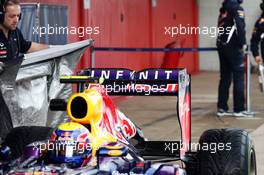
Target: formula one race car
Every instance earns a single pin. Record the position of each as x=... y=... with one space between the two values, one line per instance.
x=100 y=139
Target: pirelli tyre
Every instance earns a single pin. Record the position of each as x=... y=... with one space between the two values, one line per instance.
x=226 y=152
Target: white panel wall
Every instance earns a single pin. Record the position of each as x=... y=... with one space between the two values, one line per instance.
x=208 y=14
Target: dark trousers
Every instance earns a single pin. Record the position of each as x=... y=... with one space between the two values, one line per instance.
x=231 y=67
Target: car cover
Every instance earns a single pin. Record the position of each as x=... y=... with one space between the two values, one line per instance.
x=28 y=92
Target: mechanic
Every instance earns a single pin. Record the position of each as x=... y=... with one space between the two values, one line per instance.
x=257 y=37
x=230 y=46
x=12 y=43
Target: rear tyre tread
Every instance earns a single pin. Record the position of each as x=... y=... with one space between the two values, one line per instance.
x=225 y=162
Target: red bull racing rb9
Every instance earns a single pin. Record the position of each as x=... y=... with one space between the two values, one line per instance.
x=98 y=138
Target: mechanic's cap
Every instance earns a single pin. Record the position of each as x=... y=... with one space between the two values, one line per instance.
x=70 y=144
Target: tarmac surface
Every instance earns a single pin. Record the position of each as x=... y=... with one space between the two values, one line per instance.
x=158 y=119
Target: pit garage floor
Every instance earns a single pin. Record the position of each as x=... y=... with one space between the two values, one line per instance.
x=157 y=115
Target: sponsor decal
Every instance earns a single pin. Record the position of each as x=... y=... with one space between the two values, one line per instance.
x=126 y=74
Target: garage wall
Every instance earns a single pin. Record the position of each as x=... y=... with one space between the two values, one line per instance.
x=122 y=23
x=176 y=13
x=132 y=23
x=208 y=13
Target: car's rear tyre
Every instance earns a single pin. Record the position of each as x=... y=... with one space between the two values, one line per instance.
x=235 y=154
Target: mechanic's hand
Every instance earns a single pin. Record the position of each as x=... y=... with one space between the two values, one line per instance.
x=2 y=66
x=244 y=50
x=258 y=60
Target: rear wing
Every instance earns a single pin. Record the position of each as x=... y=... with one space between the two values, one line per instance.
x=154 y=82
x=147 y=82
